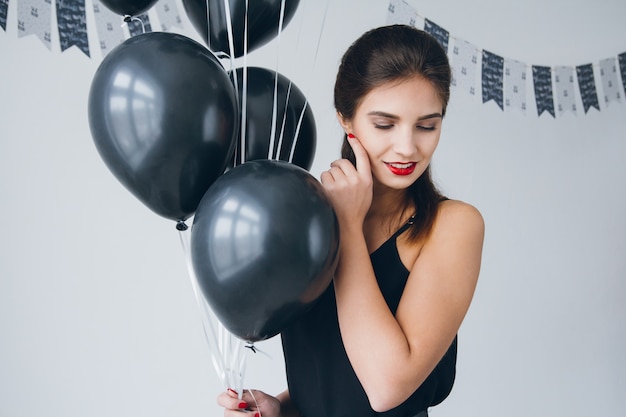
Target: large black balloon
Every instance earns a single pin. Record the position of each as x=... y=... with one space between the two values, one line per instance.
x=263 y=22
x=163 y=114
x=264 y=246
x=128 y=7
x=293 y=121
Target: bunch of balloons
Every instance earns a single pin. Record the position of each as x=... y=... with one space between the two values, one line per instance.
x=232 y=148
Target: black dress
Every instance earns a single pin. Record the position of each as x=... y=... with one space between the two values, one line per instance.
x=320 y=377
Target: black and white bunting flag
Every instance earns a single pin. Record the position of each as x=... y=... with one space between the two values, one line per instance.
x=438 y=33
x=168 y=14
x=542 y=79
x=587 y=86
x=622 y=68
x=72 y=25
x=35 y=17
x=108 y=26
x=492 y=68
x=139 y=25
x=515 y=85
x=565 y=90
x=610 y=85
x=464 y=66
x=400 y=13
x=4 y=8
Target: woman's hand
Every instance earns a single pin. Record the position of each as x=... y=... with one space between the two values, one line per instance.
x=253 y=403
x=348 y=187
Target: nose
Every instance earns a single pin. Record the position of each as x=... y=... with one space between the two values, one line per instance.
x=404 y=143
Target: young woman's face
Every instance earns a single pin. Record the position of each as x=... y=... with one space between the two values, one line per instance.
x=399 y=125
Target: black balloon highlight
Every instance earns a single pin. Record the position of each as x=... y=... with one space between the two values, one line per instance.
x=263 y=19
x=291 y=122
x=128 y=7
x=163 y=115
x=264 y=246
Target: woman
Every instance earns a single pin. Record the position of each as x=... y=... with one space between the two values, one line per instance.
x=382 y=339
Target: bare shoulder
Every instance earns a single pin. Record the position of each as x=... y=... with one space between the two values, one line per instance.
x=457 y=216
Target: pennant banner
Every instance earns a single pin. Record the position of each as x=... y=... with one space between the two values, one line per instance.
x=464 y=66
x=4 y=8
x=505 y=80
x=168 y=14
x=544 y=98
x=610 y=85
x=139 y=25
x=493 y=67
x=438 y=33
x=35 y=17
x=515 y=85
x=400 y=13
x=72 y=25
x=109 y=27
x=564 y=87
x=587 y=86
x=622 y=68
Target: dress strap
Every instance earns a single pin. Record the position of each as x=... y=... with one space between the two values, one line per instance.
x=404 y=227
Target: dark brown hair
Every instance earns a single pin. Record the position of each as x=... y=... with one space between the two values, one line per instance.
x=388 y=54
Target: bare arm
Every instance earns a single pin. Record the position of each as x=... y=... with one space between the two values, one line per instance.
x=437 y=295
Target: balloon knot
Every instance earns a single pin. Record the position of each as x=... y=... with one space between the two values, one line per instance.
x=127 y=18
x=251 y=347
x=181 y=226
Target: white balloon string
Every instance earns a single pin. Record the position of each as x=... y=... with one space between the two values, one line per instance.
x=270 y=151
x=284 y=121
x=292 y=151
x=208 y=24
x=227 y=351
x=244 y=92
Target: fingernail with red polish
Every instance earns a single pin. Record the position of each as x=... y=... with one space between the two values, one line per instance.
x=257 y=415
x=243 y=404
x=351 y=136
x=232 y=390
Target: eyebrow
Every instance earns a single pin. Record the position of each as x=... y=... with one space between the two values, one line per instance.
x=394 y=117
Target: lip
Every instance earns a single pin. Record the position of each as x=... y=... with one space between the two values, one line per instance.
x=401 y=168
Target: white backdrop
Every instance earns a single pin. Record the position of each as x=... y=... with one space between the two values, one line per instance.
x=97 y=316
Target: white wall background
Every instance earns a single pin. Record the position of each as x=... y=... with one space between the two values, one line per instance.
x=97 y=316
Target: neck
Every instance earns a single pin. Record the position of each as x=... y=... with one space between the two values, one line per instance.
x=388 y=205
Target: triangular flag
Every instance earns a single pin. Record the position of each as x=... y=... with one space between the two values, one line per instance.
x=4 y=9
x=492 y=68
x=565 y=90
x=610 y=85
x=587 y=86
x=400 y=13
x=464 y=63
x=72 y=25
x=108 y=26
x=438 y=33
x=168 y=15
x=544 y=98
x=139 y=25
x=35 y=17
x=515 y=85
x=622 y=68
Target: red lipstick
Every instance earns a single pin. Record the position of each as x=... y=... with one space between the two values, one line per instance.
x=401 y=168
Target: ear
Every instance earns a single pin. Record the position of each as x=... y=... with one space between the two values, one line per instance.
x=345 y=123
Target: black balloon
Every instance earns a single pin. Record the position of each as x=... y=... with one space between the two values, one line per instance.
x=293 y=121
x=128 y=7
x=263 y=19
x=163 y=114
x=264 y=246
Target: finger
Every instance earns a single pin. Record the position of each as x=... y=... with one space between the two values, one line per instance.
x=226 y=400
x=362 y=160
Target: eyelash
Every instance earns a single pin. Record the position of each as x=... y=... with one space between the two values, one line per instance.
x=386 y=127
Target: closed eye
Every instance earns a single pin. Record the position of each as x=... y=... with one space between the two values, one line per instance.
x=426 y=128
x=384 y=127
